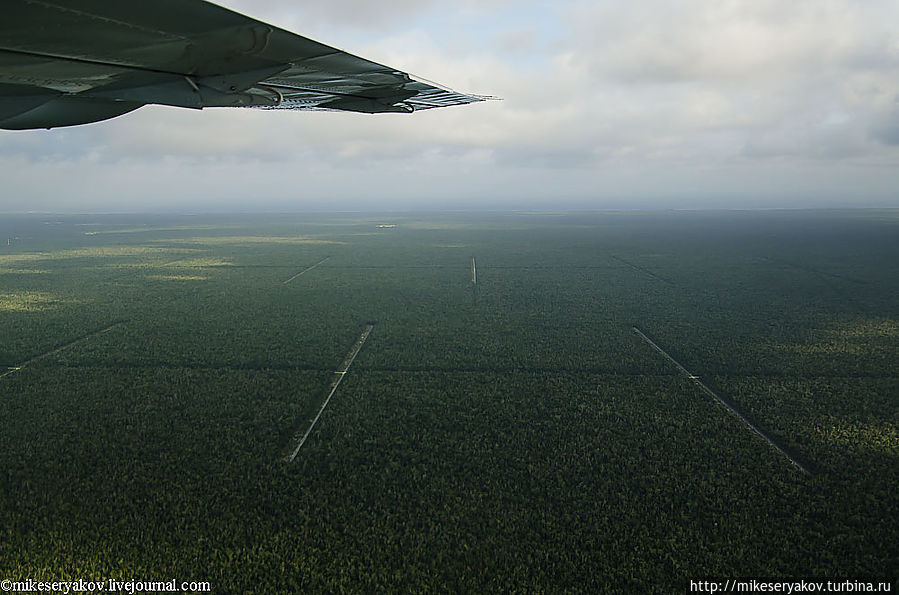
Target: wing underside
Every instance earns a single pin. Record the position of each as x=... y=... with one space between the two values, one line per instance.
x=67 y=62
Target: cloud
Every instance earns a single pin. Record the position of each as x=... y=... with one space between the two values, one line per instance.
x=773 y=77
x=378 y=17
x=669 y=102
x=732 y=40
x=885 y=127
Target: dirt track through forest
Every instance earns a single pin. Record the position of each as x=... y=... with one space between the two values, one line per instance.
x=340 y=373
x=12 y=369
x=640 y=269
x=307 y=270
x=727 y=405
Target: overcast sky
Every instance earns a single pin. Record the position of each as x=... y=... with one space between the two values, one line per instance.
x=607 y=104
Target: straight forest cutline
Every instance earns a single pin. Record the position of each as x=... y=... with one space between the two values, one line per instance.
x=390 y=267
x=306 y=270
x=61 y=347
x=227 y=266
x=340 y=373
x=641 y=270
x=813 y=270
x=437 y=370
x=10 y=370
x=499 y=267
x=727 y=405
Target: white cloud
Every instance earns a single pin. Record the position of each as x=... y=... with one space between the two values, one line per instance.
x=659 y=100
x=732 y=40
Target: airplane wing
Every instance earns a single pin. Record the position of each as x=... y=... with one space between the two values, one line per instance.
x=70 y=62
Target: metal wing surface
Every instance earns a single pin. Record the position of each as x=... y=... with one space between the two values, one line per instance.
x=70 y=62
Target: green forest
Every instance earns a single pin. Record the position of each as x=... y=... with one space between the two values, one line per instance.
x=509 y=435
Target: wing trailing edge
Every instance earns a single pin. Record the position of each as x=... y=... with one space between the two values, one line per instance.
x=70 y=62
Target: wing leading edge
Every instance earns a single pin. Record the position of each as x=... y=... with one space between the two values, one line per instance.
x=70 y=62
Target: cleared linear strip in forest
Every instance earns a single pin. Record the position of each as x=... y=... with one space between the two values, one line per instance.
x=808 y=269
x=307 y=270
x=340 y=373
x=12 y=369
x=727 y=405
x=641 y=270
x=605 y=370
